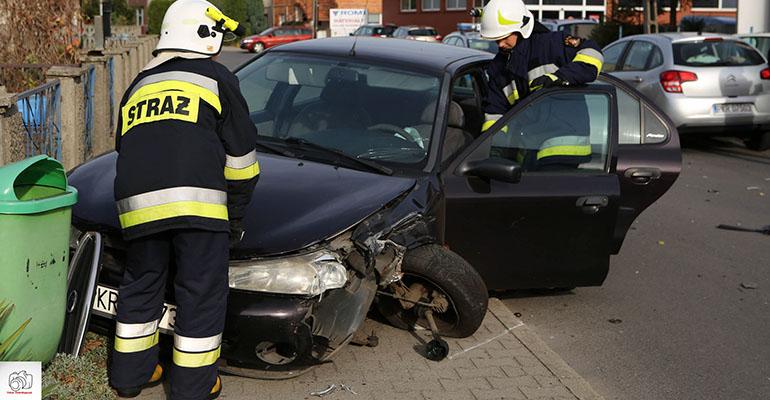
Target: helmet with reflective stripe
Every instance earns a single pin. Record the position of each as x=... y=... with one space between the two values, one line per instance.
x=501 y=18
x=196 y=26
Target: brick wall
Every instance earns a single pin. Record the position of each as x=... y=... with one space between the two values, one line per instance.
x=445 y=21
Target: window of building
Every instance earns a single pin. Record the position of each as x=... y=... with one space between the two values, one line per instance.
x=595 y=3
x=373 y=18
x=408 y=5
x=714 y=3
x=478 y=3
x=431 y=5
x=532 y=2
x=562 y=2
x=456 y=4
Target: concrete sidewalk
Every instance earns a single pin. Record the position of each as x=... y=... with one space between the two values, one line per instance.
x=503 y=360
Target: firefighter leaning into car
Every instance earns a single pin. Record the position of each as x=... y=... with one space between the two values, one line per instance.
x=530 y=58
x=186 y=170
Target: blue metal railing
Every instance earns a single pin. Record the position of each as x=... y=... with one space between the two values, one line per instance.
x=88 y=105
x=41 y=116
x=111 y=90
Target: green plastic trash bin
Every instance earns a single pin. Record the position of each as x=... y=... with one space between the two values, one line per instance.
x=35 y=211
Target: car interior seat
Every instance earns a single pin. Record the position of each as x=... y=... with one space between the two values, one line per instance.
x=339 y=107
x=457 y=137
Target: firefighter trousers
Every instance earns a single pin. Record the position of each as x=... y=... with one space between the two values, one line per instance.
x=200 y=292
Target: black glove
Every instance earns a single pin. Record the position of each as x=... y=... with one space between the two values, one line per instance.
x=546 y=81
x=236 y=232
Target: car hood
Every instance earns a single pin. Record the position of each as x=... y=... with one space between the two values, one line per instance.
x=295 y=203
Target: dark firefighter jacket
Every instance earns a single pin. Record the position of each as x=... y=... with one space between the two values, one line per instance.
x=554 y=54
x=186 y=149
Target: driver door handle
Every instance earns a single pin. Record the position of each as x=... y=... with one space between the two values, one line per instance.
x=642 y=176
x=592 y=204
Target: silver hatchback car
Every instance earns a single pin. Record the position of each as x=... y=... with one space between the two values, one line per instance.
x=706 y=83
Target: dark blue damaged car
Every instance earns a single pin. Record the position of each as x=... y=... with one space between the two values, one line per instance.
x=378 y=189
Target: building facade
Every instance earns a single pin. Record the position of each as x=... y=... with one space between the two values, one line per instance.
x=444 y=15
x=301 y=11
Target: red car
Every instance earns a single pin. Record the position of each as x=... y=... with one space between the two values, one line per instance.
x=272 y=37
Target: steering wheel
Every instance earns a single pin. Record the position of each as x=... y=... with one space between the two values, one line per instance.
x=417 y=139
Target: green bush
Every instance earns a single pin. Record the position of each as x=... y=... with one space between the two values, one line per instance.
x=84 y=377
x=7 y=343
x=155 y=15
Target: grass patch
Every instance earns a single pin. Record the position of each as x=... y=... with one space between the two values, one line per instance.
x=82 y=378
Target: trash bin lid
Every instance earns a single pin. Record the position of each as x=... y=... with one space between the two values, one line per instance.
x=36 y=184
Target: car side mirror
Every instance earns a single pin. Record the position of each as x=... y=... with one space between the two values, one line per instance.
x=499 y=169
x=352 y=33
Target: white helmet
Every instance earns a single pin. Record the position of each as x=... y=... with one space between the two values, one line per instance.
x=195 y=26
x=500 y=18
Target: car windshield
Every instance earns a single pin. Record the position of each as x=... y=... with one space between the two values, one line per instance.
x=423 y=32
x=718 y=53
x=368 y=112
x=481 y=44
x=267 y=31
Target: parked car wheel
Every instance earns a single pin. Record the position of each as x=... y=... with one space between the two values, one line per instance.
x=439 y=272
x=258 y=48
x=759 y=141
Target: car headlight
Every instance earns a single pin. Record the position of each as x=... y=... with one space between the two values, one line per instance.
x=247 y=40
x=307 y=274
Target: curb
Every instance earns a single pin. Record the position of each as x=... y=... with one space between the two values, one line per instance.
x=575 y=383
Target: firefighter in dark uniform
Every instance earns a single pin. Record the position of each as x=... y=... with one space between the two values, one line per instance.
x=531 y=58
x=186 y=171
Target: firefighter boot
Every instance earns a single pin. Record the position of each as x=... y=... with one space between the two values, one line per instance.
x=155 y=380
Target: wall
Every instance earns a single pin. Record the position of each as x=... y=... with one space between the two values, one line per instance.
x=445 y=21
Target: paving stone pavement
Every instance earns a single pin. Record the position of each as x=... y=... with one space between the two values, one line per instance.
x=504 y=359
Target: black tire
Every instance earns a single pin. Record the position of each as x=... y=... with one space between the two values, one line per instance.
x=760 y=141
x=446 y=271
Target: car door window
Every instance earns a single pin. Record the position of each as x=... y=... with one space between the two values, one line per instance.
x=629 y=118
x=612 y=56
x=542 y=137
x=637 y=57
x=465 y=114
x=656 y=59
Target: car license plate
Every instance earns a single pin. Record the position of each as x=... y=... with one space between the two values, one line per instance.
x=106 y=301
x=729 y=108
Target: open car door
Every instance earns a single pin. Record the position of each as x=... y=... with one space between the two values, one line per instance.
x=523 y=221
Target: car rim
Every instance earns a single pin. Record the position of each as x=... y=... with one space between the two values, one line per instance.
x=259 y=47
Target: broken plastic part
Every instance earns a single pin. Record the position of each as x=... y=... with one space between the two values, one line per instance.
x=325 y=392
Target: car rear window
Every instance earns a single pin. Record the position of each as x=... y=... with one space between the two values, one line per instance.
x=423 y=32
x=719 y=53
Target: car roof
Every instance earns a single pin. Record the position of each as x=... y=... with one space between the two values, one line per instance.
x=568 y=21
x=416 y=27
x=763 y=34
x=421 y=55
x=677 y=37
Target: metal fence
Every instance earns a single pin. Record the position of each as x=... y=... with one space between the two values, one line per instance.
x=88 y=105
x=40 y=110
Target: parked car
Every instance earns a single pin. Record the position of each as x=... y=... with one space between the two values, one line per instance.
x=467 y=35
x=375 y=30
x=706 y=83
x=760 y=41
x=573 y=27
x=421 y=33
x=379 y=188
x=275 y=36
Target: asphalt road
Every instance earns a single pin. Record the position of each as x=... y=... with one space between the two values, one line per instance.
x=683 y=325
x=232 y=57
x=690 y=303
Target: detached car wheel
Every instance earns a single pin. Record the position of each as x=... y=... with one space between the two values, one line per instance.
x=759 y=141
x=435 y=275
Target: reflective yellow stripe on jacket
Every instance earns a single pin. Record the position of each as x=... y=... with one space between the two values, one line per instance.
x=590 y=57
x=173 y=202
x=241 y=168
x=565 y=146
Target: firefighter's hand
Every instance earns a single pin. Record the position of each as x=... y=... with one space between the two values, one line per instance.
x=546 y=81
x=236 y=232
